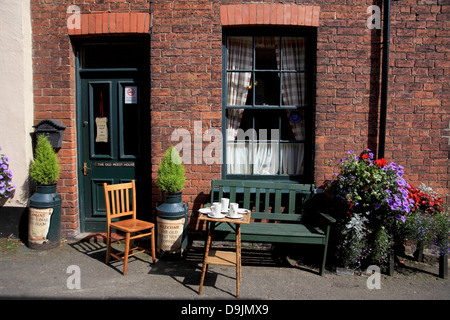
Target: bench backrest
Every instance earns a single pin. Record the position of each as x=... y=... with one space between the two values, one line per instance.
x=267 y=200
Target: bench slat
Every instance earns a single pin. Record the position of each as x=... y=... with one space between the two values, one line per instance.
x=305 y=188
x=232 y=194
x=267 y=201
x=257 y=199
x=266 y=232
x=277 y=201
x=277 y=216
x=247 y=198
x=291 y=201
x=276 y=229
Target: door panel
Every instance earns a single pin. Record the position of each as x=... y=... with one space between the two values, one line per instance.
x=113 y=141
x=129 y=116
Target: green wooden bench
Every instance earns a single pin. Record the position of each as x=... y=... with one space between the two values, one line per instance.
x=279 y=212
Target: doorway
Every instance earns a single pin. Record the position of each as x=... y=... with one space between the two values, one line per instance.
x=113 y=124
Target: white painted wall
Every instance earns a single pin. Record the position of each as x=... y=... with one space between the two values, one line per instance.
x=16 y=93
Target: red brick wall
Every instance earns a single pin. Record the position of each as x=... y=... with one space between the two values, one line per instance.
x=186 y=75
x=419 y=108
x=186 y=59
x=348 y=73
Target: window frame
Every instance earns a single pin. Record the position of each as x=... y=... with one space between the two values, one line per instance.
x=310 y=33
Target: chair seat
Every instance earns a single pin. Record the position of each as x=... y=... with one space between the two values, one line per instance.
x=132 y=225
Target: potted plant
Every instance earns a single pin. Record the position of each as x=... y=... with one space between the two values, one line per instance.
x=172 y=213
x=371 y=198
x=427 y=225
x=7 y=189
x=44 y=223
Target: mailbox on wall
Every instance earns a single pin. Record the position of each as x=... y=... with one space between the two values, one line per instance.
x=53 y=130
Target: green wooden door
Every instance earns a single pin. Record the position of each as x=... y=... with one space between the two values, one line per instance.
x=113 y=140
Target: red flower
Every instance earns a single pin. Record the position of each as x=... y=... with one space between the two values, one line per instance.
x=365 y=156
x=380 y=162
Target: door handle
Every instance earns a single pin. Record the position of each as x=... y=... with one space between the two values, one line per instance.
x=85 y=169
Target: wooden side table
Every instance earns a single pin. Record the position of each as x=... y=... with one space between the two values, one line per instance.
x=219 y=257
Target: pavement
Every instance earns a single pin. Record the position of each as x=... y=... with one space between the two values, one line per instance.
x=77 y=270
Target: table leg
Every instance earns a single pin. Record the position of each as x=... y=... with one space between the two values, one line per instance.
x=205 y=258
x=238 y=260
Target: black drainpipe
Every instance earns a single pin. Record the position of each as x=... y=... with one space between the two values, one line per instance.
x=384 y=78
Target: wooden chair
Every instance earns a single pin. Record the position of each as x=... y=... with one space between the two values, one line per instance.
x=121 y=202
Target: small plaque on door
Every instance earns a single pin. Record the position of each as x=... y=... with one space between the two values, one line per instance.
x=114 y=164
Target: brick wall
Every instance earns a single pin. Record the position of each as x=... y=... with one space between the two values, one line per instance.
x=186 y=75
x=186 y=59
x=420 y=96
x=348 y=85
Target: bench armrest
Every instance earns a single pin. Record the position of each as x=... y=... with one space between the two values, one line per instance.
x=327 y=217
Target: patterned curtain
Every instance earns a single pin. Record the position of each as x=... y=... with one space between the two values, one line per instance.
x=293 y=83
x=293 y=94
x=240 y=51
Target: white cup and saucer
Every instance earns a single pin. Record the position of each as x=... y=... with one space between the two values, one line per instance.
x=216 y=211
x=233 y=214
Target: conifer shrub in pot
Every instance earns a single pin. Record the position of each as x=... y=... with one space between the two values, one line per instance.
x=172 y=213
x=171 y=173
x=44 y=221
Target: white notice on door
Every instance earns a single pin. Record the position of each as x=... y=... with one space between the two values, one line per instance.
x=102 y=129
x=130 y=95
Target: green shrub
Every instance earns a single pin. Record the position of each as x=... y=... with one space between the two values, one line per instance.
x=171 y=177
x=45 y=168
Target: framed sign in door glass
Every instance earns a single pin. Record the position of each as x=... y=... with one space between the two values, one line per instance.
x=100 y=114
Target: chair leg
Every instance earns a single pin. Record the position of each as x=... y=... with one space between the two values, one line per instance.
x=131 y=242
x=108 y=245
x=127 y=252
